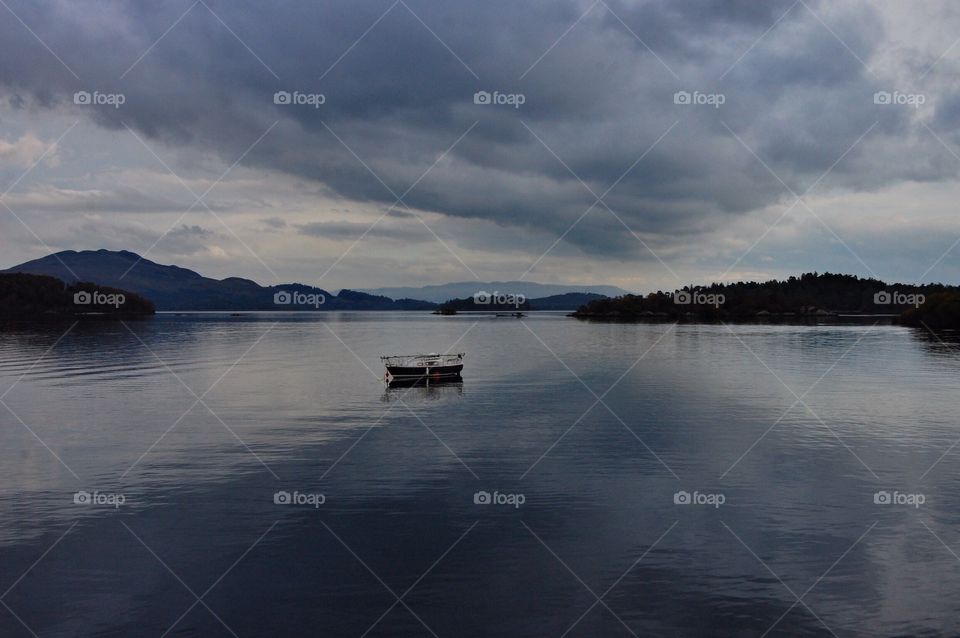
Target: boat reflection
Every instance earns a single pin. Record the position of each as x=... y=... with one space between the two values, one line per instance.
x=423 y=388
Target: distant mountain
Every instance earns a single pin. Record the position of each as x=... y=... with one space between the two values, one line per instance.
x=459 y=290
x=175 y=288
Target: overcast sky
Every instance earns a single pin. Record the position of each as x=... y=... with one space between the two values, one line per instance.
x=642 y=143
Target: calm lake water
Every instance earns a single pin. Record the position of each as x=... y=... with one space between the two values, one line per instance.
x=184 y=429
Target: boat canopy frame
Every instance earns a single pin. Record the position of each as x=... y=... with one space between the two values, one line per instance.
x=431 y=360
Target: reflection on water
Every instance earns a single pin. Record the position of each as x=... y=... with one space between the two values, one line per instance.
x=197 y=421
x=423 y=389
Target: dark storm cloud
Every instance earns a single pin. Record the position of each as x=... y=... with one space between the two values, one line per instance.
x=399 y=98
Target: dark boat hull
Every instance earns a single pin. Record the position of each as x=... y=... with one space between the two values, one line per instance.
x=416 y=372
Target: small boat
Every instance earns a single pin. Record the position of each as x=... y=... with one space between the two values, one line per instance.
x=423 y=366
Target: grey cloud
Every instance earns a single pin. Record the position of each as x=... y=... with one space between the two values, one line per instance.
x=353 y=230
x=599 y=99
